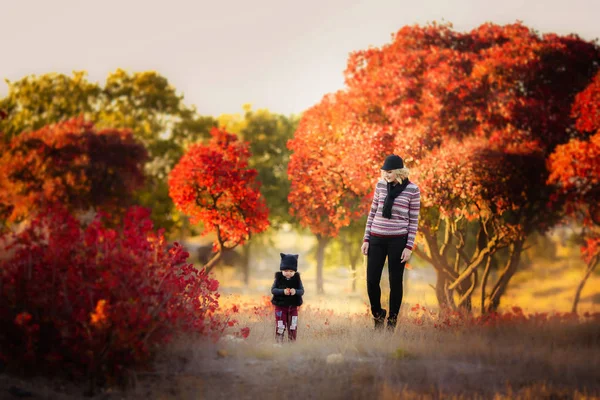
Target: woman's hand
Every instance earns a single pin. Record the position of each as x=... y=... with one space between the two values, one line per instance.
x=365 y=248
x=292 y=291
x=406 y=253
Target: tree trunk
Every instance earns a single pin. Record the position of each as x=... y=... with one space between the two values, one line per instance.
x=512 y=266
x=184 y=230
x=353 y=257
x=444 y=273
x=449 y=297
x=484 y=279
x=246 y=262
x=212 y=262
x=590 y=268
x=322 y=242
x=465 y=292
x=354 y=277
x=440 y=290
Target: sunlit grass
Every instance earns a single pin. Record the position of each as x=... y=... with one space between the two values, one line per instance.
x=338 y=355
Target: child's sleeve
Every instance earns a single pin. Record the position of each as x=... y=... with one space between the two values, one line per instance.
x=300 y=290
x=274 y=290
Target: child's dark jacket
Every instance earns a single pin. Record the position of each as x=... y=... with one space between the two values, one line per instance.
x=280 y=284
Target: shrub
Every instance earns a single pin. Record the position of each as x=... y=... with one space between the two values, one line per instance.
x=95 y=301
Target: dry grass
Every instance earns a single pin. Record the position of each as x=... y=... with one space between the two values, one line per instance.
x=338 y=356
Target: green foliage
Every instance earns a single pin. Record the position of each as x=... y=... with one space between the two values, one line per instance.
x=36 y=101
x=344 y=249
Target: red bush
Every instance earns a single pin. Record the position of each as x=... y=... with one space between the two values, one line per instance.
x=94 y=299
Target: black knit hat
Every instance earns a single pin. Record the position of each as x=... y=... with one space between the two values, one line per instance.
x=289 y=261
x=392 y=162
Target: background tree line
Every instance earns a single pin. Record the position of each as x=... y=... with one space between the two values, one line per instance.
x=492 y=122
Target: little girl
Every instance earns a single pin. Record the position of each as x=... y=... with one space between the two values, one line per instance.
x=287 y=291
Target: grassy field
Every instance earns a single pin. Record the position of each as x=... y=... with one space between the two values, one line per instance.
x=339 y=356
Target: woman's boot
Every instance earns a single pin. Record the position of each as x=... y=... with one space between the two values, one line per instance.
x=380 y=320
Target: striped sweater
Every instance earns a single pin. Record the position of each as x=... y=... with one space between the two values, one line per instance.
x=405 y=214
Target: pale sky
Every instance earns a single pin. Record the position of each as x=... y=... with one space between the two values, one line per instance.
x=279 y=54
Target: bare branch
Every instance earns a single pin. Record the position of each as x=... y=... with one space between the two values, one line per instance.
x=489 y=249
x=468 y=293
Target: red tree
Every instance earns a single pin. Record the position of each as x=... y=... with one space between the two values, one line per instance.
x=323 y=194
x=434 y=88
x=213 y=185
x=506 y=85
x=575 y=169
x=70 y=163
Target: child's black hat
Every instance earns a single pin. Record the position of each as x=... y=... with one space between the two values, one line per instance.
x=289 y=261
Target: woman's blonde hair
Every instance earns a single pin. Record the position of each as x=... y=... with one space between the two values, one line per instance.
x=401 y=174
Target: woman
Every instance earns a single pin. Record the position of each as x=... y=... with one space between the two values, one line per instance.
x=390 y=233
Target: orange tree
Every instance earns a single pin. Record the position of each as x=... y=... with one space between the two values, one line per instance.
x=479 y=212
x=432 y=89
x=212 y=184
x=321 y=196
x=575 y=169
x=71 y=163
x=505 y=85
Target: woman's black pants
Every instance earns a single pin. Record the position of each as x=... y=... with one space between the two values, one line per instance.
x=381 y=248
